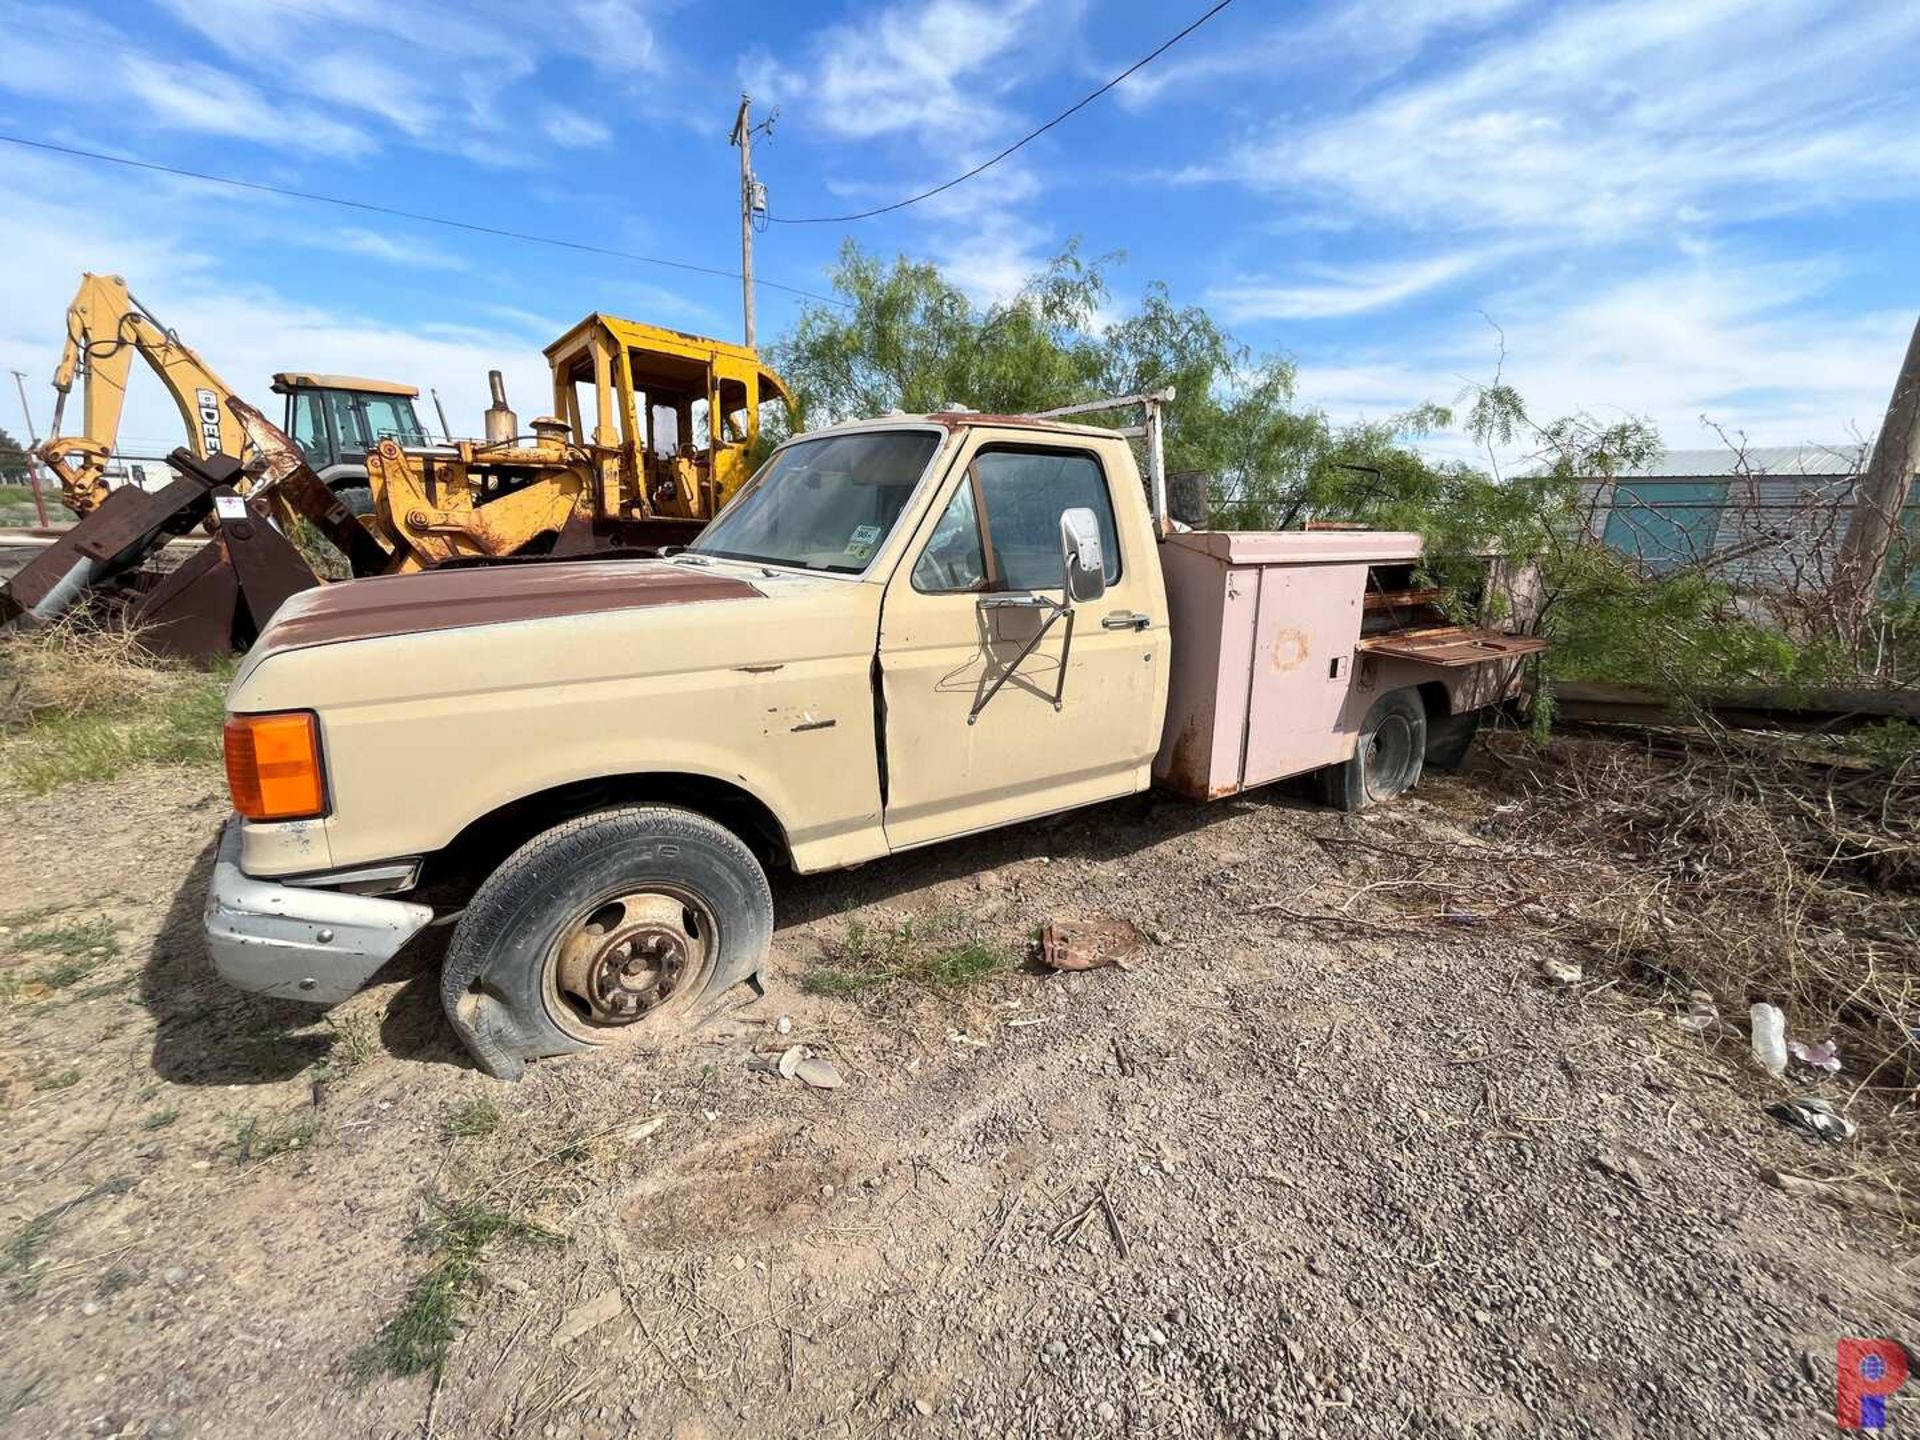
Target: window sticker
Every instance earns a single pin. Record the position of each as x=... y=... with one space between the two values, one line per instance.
x=861 y=543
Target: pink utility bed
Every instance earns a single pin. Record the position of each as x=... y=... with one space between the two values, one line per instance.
x=1271 y=675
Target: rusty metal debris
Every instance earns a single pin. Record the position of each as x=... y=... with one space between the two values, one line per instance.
x=1452 y=645
x=219 y=599
x=1089 y=944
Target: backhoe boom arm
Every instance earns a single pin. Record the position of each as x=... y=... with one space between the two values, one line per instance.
x=106 y=328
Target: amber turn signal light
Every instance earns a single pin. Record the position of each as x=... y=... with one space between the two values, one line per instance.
x=273 y=766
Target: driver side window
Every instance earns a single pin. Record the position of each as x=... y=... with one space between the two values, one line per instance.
x=954 y=561
x=1015 y=544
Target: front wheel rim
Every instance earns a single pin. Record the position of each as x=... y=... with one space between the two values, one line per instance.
x=628 y=957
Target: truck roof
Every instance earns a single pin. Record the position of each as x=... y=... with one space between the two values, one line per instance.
x=966 y=419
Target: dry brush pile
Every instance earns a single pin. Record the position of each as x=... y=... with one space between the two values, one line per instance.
x=1700 y=872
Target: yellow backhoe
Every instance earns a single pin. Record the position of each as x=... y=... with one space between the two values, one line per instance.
x=335 y=418
x=106 y=329
x=653 y=432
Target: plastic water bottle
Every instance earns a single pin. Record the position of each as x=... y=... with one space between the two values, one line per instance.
x=1769 y=1038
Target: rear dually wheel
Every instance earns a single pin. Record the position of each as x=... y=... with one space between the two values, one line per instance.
x=1387 y=758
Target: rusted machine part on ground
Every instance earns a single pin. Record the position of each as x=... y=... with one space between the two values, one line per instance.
x=217 y=601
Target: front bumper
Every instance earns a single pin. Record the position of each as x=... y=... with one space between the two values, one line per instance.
x=296 y=943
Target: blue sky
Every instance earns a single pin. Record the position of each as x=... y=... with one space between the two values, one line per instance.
x=1671 y=210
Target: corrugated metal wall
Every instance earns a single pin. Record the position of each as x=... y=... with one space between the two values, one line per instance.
x=1756 y=532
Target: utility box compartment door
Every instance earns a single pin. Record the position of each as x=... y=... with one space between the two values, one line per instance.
x=1301 y=669
x=1265 y=629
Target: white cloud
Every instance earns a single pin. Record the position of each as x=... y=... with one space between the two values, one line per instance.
x=938 y=69
x=991 y=266
x=1754 y=344
x=443 y=78
x=615 y=35
x=1612 y=118
x=393 y=249
x=573 y=130
x=1399 y=27
x=1339 y=291
x=202 y=98
x=1361 y=37
x=360 y=82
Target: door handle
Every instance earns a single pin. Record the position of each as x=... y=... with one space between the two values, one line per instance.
x=1126 y=620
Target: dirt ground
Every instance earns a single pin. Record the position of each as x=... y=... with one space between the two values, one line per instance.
x=1360 y=1179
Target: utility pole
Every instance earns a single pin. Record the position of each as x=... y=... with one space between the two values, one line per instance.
x=1880 y=496
x=753 y=198
x=33 y=442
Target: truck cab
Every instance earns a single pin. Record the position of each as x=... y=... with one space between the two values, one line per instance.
x=900 y=632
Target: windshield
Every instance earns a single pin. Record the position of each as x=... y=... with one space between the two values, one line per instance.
x=363 y=419
x=825 y=504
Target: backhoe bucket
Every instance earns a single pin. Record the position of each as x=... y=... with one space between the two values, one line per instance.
x=215 y=602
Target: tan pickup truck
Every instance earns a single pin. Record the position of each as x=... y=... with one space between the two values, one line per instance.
x=900 y=632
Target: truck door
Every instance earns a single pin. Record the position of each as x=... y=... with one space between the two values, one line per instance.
x=960 y=609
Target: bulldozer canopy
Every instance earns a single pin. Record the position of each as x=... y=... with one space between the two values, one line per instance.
x=665 y=359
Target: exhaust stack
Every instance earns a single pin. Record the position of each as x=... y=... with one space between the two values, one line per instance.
x=503 y=426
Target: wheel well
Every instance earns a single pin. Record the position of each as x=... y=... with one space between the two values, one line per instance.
x=1435 y=697
x=477 y=850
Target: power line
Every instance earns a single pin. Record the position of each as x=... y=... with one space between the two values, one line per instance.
x=495 y=231
x=1030 y=136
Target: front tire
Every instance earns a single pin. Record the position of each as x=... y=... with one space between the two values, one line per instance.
x=1387 y=755
x=615 y=925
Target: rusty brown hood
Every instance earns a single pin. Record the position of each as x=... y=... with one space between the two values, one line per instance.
x=487 y=595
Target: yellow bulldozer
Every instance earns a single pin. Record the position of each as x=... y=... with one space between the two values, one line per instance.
x=651 y=433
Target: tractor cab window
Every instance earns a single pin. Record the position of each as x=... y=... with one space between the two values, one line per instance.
x=310 y=427
x=663 y=428
x=362 y=419
x=733 y=407
x=390 y=417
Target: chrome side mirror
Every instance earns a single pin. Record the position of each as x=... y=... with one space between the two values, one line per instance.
x=1083 y=561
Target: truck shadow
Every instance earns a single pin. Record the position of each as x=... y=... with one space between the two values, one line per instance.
x=1108 y=831
x=206 y=1032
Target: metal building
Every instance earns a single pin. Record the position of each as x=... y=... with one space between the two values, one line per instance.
x=1768 y=518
